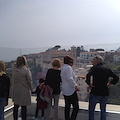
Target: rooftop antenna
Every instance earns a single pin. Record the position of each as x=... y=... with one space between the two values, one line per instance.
x=20 y=52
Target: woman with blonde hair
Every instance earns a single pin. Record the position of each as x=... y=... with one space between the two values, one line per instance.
x=4 y=89
x=53 y=80
x=21 y=87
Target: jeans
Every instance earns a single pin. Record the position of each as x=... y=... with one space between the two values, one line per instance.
x=2 y=105
x=93 y=100
x=71 y=100
x=23 y=112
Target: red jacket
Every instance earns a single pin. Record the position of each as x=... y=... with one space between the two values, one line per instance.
x=46 y=93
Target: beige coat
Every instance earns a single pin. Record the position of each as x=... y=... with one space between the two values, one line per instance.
x=21 y=86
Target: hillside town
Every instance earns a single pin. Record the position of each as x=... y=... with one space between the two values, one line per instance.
x=39 y=63
x=82 y=58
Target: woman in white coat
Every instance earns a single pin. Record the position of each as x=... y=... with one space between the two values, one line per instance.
x=21 y=87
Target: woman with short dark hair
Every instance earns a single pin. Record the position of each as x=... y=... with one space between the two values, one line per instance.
x=69 y=88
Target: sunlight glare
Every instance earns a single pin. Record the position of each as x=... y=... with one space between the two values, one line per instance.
x=115 y=4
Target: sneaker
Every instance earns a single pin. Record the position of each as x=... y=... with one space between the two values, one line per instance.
x=34 y=118
x=43 y=118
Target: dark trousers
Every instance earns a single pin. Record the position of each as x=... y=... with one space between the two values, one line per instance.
x=23 y=112
x=37 y=110
x=71 y=100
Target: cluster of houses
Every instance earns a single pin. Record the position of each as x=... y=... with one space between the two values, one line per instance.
x=81 y=56
x=82 y=62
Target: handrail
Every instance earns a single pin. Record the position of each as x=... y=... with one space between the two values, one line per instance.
x=9 y=108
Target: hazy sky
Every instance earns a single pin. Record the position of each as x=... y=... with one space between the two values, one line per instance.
x=46 y=23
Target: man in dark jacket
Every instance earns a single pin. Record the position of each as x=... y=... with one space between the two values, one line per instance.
x=99 y=86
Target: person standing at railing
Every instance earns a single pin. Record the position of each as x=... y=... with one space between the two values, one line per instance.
x=37 y=91
x=21 y=87
x=69 y=88
x=53 y=80
x=98 y=81
x=4 y=89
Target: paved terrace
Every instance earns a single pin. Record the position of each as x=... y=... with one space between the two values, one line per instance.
x=113 y=111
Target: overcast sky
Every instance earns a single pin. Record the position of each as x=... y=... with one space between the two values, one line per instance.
x=46 y=23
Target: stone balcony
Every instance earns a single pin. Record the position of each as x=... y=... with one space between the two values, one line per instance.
x=113 y=111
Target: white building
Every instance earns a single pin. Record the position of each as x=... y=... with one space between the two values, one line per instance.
x=116 y=57
x=86 y=56
x=83 y=87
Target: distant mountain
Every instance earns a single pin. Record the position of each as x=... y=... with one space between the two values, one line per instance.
x=8 y=54
x=118 y=50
